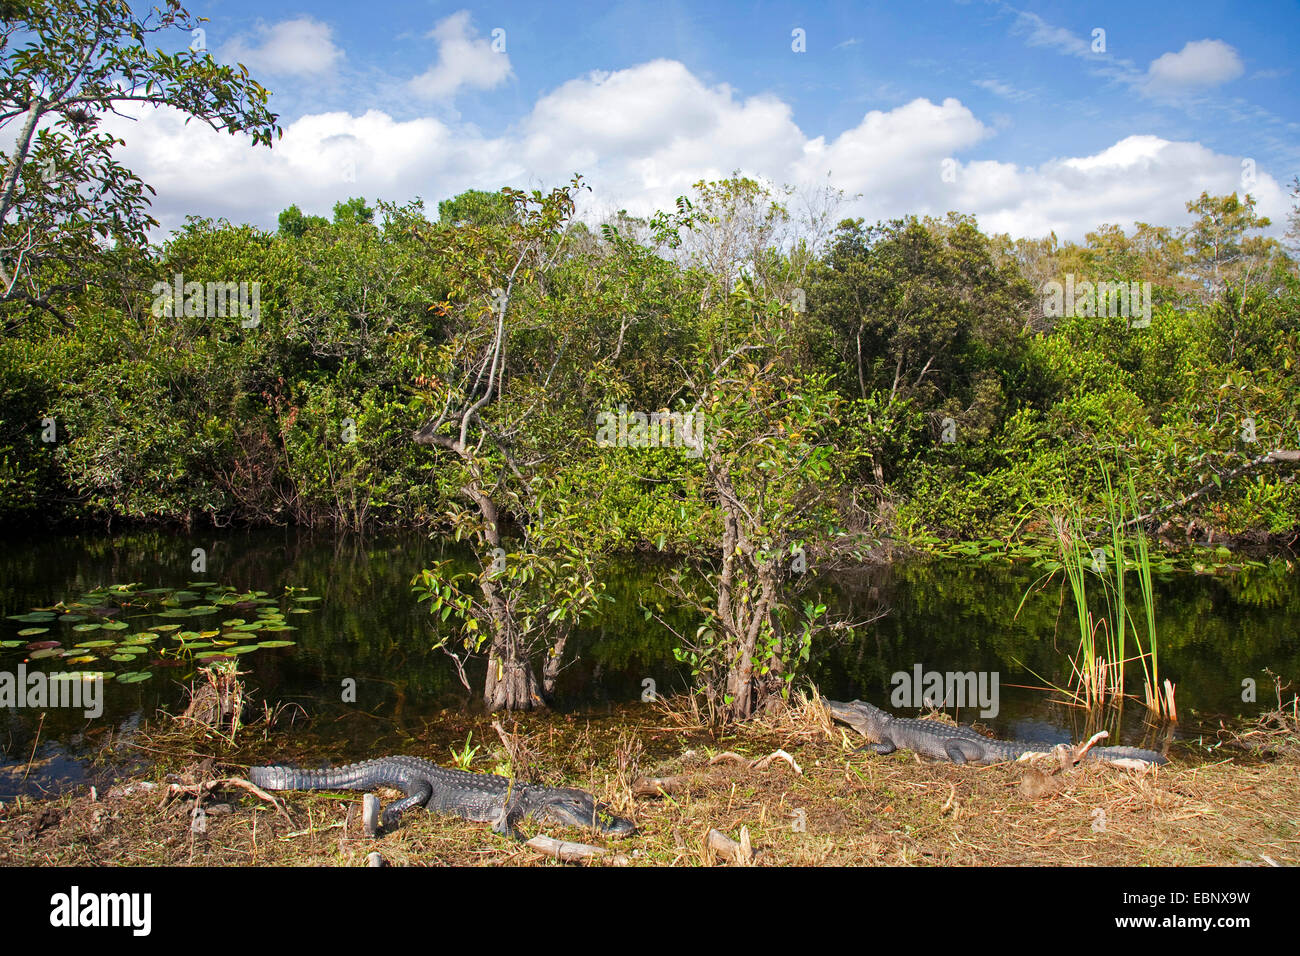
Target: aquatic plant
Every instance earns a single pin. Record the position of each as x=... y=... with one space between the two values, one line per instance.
x=108 y=626
x=1098 y=667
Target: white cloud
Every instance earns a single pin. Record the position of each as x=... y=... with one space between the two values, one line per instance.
x=1004 y=90
x=1198 y=65
x=301 y=47
x=643 y=135
x=464 y=59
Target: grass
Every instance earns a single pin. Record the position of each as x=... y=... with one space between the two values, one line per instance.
x=1098 y=667
x=853 y=809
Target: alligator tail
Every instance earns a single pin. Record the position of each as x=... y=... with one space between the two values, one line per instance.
x=354 y=776
x=1126 y=753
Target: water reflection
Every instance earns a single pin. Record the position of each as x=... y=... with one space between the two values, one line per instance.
x=371 y=635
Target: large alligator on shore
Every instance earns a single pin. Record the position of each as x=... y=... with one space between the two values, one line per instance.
x=944 y=741
x=481 y=797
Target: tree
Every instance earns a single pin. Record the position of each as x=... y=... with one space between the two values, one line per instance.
x=1220 y=253
x=764 y=429
x=353 y=212
x=62 y=193
x=509 y=441
x=294 y=224
x=1293 y=217
x=476 y=207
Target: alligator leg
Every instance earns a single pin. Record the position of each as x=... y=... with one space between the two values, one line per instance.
x=418 y=794
x=955 y=753
x=884 y=747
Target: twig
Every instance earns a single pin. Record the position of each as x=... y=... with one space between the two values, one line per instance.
x=741 y=852
x=563 y=850
x=1083 y=748
x=37 y=740
x=759 y=763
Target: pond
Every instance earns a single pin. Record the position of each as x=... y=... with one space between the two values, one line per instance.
x=361 y=665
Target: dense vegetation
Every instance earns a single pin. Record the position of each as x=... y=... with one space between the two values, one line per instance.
x=960 y=408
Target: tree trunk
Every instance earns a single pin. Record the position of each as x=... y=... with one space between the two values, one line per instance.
x=511 y=683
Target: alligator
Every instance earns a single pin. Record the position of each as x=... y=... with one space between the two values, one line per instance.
x=480 y=797
x=944 y=741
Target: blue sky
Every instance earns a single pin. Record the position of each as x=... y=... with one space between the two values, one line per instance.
x=1023 y=114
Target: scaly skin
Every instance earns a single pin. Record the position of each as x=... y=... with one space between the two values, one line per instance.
x=943 y=741
x=481 y=797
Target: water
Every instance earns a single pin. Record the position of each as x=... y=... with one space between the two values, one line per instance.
x=369 y=632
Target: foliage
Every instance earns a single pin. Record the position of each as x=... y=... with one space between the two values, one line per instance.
x=65 y=64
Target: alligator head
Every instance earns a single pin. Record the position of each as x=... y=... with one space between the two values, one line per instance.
x=576 y=808
x=861 y=716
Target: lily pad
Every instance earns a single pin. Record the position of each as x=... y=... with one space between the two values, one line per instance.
x=280 y=627
x=45 y=652
x=86 y=659
x=95 y=644
x=11 y=643
x=114 y=625
x=42 y=645
x=276 y=643
x=300 y=610
x=80 y=675
x=212 y=655
x=234 y=622
x=133 y=677
x=165 y=628
x=33 y=631
x=69 y=618
x=304 y=598
x=79 y=628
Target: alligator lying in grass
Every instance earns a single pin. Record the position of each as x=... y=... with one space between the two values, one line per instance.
x=944 y=741
x=481 y=797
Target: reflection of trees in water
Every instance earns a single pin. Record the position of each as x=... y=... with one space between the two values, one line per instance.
x=961 y=615
x=944 y=614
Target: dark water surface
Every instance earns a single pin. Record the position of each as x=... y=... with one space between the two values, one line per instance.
x=949 y=615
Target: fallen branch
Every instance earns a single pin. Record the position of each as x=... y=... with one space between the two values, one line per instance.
x=774 y=755
x=563 y=850
x=1084 y=747
x=742 y=852
x=1275 y=457
x=760 y=763
x=206 y=786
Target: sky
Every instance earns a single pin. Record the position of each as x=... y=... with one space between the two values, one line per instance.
x=1034 y=117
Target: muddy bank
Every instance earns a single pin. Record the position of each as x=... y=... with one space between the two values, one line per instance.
x=821 y=804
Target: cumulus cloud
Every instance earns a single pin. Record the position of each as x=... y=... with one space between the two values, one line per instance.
x=1198 y=65
x=300 y=47
x=464 y=60
x=642 y=136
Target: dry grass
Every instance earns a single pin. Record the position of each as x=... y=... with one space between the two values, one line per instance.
x=843 y=810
